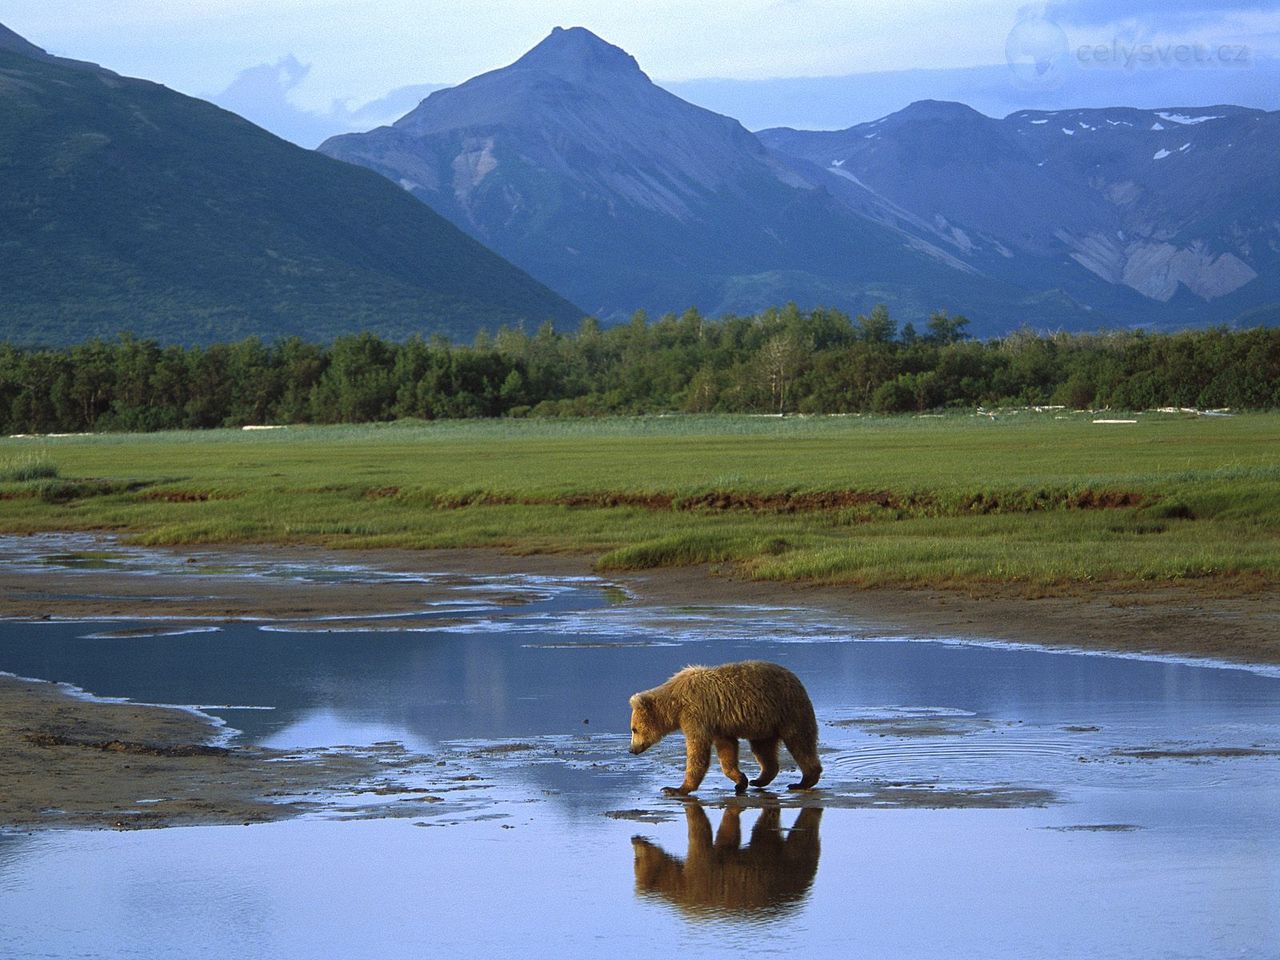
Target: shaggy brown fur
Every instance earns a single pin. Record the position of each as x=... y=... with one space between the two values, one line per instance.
x=760 y=702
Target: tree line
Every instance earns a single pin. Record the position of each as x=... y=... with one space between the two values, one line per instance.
x=779 y=361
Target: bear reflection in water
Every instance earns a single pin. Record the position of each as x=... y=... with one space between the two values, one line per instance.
x=770 y=875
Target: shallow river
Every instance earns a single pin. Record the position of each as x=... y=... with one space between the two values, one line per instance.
x=978 y=801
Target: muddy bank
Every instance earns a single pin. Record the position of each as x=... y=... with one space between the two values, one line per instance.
x=70 y=762
x=1191 y=620
x=259 y=583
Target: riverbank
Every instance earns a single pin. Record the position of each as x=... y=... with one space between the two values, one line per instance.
x=1191 y=619
x=70 y=761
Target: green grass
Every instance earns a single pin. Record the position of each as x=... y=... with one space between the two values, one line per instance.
x=955 y=501
x=27 y=466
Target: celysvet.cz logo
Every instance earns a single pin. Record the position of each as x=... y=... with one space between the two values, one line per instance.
x=1131 y=55
x=1037 y=50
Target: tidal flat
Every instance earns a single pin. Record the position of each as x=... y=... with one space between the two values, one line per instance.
x=450 y=773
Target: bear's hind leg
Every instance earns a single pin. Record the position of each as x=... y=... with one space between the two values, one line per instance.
x=727 y=751
x=766 y=753
x=804 y=750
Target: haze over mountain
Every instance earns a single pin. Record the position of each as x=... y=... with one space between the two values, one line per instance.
x=264 y=94
x=839 y=102
x=128 y=207
x=575 y=166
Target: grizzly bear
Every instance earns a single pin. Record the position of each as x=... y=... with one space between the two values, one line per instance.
x=760 y=702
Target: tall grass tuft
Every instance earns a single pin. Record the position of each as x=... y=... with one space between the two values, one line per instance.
x=31 y=466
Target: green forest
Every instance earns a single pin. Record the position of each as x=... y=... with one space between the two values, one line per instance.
x=781 y=361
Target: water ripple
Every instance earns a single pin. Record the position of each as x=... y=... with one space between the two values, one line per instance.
x=882 y=755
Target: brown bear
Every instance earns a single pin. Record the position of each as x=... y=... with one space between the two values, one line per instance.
x=753 y=700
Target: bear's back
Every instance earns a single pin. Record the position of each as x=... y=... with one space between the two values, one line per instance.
x=753 y=695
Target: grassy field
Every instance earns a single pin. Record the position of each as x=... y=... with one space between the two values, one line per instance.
x=1038 y=499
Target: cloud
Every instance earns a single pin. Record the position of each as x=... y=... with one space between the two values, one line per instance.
x=261 y=94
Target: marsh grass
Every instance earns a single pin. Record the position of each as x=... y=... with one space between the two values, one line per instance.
x=26 y=467
x=1025 y=499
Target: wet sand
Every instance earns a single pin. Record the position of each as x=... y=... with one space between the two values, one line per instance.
x=1189 y=620
x=66 y=761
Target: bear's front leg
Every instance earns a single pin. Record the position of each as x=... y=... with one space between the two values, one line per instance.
x=697 y=758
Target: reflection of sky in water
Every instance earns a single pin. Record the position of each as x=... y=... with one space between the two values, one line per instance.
x=1196 y=876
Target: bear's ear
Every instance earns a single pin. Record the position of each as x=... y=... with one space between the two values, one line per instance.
x=639 y=701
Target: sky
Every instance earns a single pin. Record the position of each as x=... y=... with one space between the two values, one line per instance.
x=319 y=66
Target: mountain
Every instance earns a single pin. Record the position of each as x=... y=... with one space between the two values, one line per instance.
x=128 y=207
x=1149 y=216
x=620 y=195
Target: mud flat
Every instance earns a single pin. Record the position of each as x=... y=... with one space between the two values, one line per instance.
x=1187 y=620
x=69 y=761
x=485 y=698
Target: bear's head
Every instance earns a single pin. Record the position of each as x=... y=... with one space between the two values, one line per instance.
x=645 y=728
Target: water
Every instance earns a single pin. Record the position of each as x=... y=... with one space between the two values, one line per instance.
x=1096 y=848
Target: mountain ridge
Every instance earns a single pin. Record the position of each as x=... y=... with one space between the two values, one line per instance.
x=1085 y=187
x=128 y=206
x=574 y=165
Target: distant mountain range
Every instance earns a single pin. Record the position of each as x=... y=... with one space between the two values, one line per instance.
x=126 y=206
x=1166 y=203
x=576 y=167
